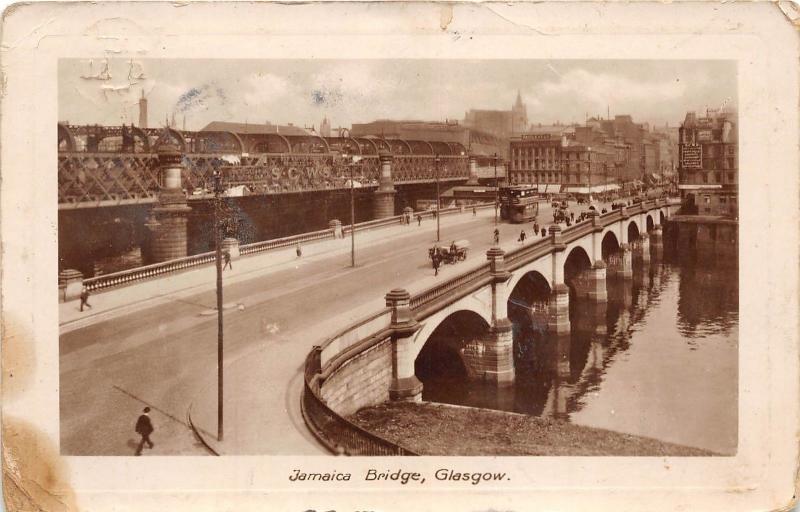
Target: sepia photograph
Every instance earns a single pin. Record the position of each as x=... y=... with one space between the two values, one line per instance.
x=378 y=257
x=407 y=257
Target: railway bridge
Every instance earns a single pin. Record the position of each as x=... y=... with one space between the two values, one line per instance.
x=153 y=188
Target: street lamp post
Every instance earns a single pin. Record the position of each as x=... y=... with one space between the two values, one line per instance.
x=218 y=260
x=438 y=197
x=348 y=162
x=352 y=217
x=496 y=188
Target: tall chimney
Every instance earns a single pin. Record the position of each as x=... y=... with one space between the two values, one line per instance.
x=142 y=111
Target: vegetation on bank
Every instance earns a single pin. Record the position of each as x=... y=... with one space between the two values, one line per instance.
x=439 y=429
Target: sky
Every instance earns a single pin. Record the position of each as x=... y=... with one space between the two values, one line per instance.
x=302 y=92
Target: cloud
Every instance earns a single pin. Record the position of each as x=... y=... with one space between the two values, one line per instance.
x=264 y=88
x=600 y=88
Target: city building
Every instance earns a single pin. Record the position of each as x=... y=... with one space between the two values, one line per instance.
x=708 y=164
x=500 y=123
x=248 y=128
x=555 y=163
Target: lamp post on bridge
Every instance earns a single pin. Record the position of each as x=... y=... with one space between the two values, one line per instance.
x=350 y=161
x=436 y=162
x=218 y=260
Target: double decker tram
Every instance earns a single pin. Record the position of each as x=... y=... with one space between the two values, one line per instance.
x=518 y=203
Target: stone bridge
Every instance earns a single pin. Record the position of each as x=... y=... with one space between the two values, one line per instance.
x=471 y=315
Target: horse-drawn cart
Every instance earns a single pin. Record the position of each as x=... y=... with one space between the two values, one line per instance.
x=455 y=252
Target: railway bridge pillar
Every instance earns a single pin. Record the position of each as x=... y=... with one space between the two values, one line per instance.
x=383 y=200
x=169 y=217
x=473 y=170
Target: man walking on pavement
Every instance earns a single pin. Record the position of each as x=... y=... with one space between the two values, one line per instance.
x=419 y=220
x=85 y=299
x=474 y=211
x=144 y=428
x=228 y=263
x=436 y=261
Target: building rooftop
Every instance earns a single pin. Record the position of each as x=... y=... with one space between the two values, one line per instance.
x=223 y=126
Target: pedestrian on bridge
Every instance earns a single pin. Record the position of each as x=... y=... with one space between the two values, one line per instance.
x=544 y=233
x=474 y=211
x=572 y=216
x=522 y=236
x=419 y=219
x=535 y=228
x=85 y=299
x=437 y=260
x=144 y=427
x=227 y=255
x=298 y=250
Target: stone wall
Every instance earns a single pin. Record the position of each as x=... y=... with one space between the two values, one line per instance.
x=361 y=382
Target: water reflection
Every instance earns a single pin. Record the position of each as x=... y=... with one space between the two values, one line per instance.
x=658 y=359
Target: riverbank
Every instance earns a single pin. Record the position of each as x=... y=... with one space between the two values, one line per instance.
x=441 y=429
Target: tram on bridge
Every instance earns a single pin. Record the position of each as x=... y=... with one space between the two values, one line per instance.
x=519 y=203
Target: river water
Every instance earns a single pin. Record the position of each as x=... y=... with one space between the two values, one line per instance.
x=660 y=360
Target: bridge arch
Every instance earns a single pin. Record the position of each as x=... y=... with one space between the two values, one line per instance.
x=649 y=223
x=609 y=246
x=441 y=148
x=457 y=148
x=66 y=138
x=420 y=147
x=309 y=144
x=369 y=144
x=576 y=264
x=446 y=350
x=171 y=135
x=400 y=147
x=218 y=142
x=267 y=143
x=142 y=136
x=633 y=231
x=528 y=305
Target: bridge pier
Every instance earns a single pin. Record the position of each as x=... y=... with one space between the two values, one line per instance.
x=644 y=244
x=626 y=270
x=558 y=307
x=405 y=385
x=169 y=237
x=493 y=357
x=383 y=199
x=596 y=276
x=596 y=282
x=657 y=243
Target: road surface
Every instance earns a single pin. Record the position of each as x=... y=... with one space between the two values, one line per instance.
x=164 y=356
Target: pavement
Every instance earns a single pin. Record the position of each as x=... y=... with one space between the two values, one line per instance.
x=155 y=343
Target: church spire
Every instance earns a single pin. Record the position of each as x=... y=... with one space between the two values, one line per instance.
x=519 y=99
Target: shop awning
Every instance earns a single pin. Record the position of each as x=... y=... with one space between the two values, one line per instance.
x=698 y=187
x=594 y=190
